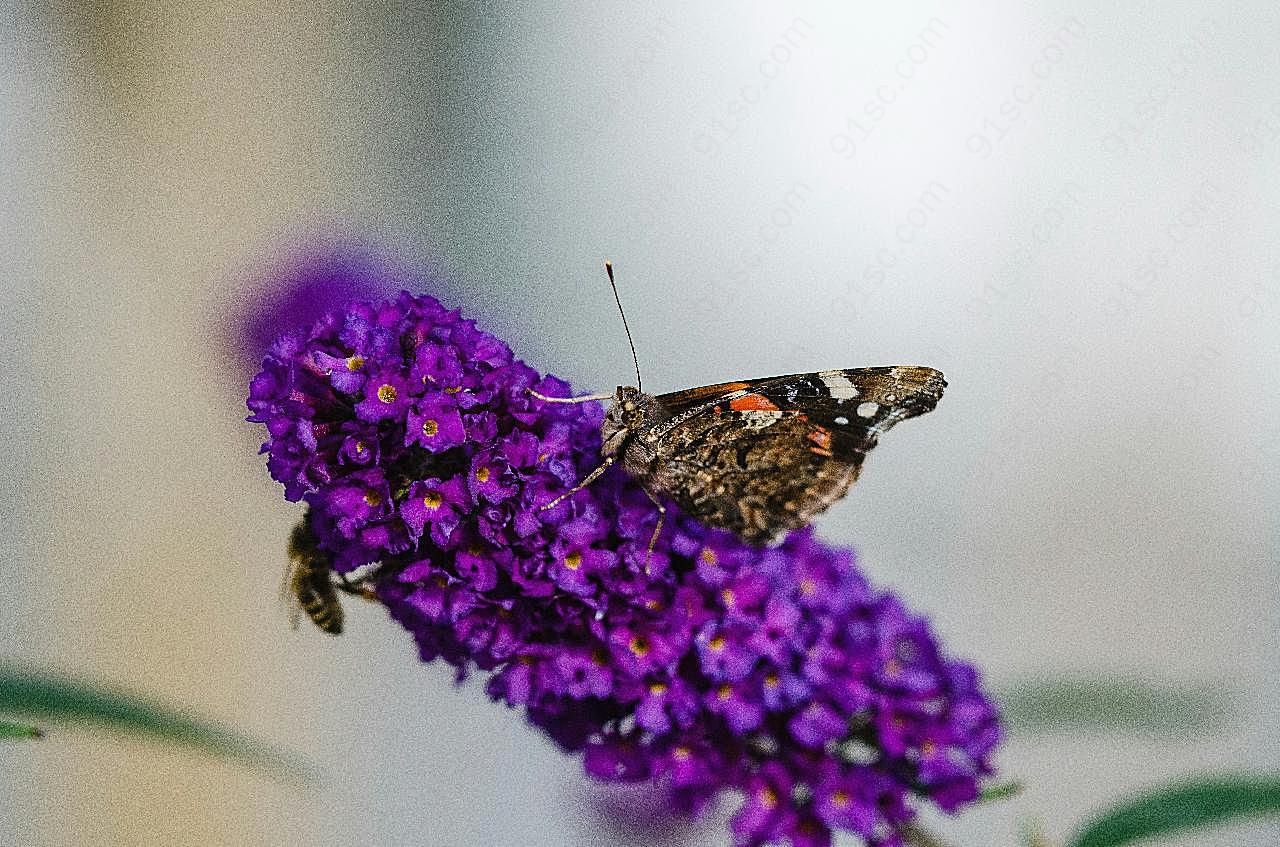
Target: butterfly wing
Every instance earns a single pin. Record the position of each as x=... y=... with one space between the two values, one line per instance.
x=760 y=457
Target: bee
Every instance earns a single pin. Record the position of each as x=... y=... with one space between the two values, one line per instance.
x=309 y=583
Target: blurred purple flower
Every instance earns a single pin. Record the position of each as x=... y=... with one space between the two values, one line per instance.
x=308 y=284
x=709 y=666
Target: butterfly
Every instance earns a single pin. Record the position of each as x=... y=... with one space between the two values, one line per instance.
x=758 y=457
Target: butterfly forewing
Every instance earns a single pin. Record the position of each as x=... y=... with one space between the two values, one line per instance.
x=764 y=456
x=855 y=405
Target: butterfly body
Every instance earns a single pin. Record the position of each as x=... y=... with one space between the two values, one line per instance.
x=764 y=456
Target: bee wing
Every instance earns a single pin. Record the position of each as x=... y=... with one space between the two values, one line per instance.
x=287 y=597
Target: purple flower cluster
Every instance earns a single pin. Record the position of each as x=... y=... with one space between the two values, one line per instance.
x=710 y=665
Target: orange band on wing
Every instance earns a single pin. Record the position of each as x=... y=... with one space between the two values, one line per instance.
x=753 y=403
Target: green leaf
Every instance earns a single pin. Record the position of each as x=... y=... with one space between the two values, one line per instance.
x=19 y=730
x=1116 y=704
x=1000 y=791
x=49 y=697
x=1183 y=806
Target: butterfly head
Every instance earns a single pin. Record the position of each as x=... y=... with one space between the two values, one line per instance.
x=630 y=411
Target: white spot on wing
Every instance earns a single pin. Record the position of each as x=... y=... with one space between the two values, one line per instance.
x=866 y=410
x=838 y=385
x=760 y=418
x=842 y=420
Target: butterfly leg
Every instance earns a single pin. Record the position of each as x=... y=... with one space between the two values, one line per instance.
x=657 y=530
x=586 y=398
x=591 y=477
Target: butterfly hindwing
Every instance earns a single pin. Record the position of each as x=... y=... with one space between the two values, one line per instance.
x=764 y=456
x=754 y=479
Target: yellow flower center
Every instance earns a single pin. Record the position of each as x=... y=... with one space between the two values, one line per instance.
x=708 y=555
x=482 y=474
x=640 y=646
x=372 y=498
x=927 y=747
x=727 y=596
x=387 y=393
x=573 y=561
x=475 y=550
x=453 y=390
x=892 y=667
x=430 y=428
x=657 y=689
x=716 y=643
x=840 y=798
x=432 y=499
x=808 y=587
x=724 y=692
x=767 y=797
x=355 y=363
x=653 y=604
x=361 y=447
x=681 y=753
x=771 y=680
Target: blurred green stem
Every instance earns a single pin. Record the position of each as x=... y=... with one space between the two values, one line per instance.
x=1183 y=807
x=24 y=691
x=19 y=730
x=1116 y=704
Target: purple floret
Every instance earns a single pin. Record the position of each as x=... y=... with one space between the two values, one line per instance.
x=708 y=665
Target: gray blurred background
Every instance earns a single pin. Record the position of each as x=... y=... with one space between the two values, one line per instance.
x=1070 y=208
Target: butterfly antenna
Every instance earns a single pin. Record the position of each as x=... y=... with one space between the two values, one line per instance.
x=608 y=268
